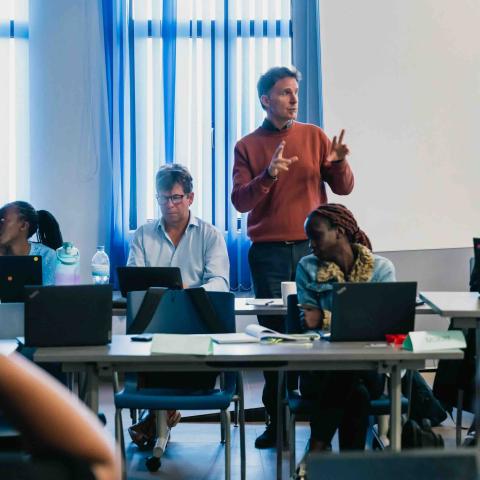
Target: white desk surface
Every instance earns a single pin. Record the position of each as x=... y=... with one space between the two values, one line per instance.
x=453 y=304
x=123 y=350
x=241 y=307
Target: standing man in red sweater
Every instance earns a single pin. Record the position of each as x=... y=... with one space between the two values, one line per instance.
x=279 y=176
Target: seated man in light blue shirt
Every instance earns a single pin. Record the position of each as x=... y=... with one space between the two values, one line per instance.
x=179 y=239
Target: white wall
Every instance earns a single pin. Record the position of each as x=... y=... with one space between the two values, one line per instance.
x=403 y=78
x=71 y=174
x=70 y=166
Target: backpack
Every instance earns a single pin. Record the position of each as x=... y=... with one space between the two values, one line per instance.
x=423 y=404
x=416 y=436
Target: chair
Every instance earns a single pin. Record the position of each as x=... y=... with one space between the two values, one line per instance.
x=298 y=405
x=22 y=466
x=435 y=464
x=177 y=305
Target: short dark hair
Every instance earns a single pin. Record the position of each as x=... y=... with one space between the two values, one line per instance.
x=170 y=174
x=272 y=76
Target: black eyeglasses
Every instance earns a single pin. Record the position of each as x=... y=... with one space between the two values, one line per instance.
x=175 y=199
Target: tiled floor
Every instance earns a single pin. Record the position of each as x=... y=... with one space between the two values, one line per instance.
x=195 y=451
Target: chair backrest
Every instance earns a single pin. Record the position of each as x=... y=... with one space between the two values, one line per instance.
x=176 y=312
x=436 y=464
x=293 y=324
x=12 y=318
x=19 y=465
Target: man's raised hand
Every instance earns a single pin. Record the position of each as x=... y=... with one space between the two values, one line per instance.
x=278 y=163
x=338 y=150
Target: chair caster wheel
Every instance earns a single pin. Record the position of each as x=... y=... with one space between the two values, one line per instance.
x=153 y=464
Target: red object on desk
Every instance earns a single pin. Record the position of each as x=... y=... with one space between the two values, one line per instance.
x=396 y=339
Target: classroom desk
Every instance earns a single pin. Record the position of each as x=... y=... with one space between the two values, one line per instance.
x=242 y=308
x=123 y=355
x=464 y=310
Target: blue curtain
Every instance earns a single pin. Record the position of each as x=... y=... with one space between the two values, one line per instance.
x=178 y=94
x=307 y=58
x=114 y=23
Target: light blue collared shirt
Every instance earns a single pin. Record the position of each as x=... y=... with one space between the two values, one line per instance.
x=201 y=253
x=49 y=258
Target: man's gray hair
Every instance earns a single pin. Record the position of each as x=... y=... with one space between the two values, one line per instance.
x=170 y=174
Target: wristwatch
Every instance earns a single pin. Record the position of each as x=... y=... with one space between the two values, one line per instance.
x=274 y=178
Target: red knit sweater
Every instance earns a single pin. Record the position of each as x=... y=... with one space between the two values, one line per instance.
x=278 y=208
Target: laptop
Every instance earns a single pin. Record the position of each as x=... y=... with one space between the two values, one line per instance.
x=15 y=273
x=367 y=311
x=475 y=273
x=134 y=279
x=71 y=315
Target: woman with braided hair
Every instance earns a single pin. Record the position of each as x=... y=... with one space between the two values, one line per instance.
x=19 y=221
x=341 y=253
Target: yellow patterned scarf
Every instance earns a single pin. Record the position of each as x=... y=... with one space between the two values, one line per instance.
x=362 y=271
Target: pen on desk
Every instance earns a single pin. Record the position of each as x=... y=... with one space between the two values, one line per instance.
x=268 y=302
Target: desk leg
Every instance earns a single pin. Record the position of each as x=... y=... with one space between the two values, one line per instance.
x=280 y=408
x=91 y=388
x=241 y=421
x=396 y=411
x=477 y=381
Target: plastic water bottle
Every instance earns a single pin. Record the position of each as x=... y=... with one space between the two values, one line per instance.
x=100 y=267
x=67 y=269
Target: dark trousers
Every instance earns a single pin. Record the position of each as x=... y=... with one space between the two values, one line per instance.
x=342 y=401
x=270 y=264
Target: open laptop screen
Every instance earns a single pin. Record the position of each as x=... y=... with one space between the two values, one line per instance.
x=475 y=274
x=368 y=311
x=15 y=273
x=68 y=315
x=134 y=279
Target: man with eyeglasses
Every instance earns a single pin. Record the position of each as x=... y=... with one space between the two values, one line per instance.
x=279 y=176
x=177 y=239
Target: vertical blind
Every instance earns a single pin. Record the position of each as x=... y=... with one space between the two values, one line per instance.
x=14 y=135
x=191 y=68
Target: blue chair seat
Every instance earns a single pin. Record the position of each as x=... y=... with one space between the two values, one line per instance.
x=381 y=406
x=177 y=399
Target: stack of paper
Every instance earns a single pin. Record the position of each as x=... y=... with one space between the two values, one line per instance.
x=181 y=344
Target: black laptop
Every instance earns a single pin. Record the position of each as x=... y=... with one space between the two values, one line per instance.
x=367 y=311
x=134 y=279
x=475 y=273
x=71 y=315
x=15 y=273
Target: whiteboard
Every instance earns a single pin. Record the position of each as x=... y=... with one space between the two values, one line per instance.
x=403 y=78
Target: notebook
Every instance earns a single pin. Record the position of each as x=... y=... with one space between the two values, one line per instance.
x=15 y=273
x=135 y=279
x=73 y=315
x=368 y=311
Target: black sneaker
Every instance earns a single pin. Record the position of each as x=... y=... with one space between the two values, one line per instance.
x=268 y=438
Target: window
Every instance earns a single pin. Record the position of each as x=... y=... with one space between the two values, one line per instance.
x=185 y=74
x=14 y=113
x=195 y=74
